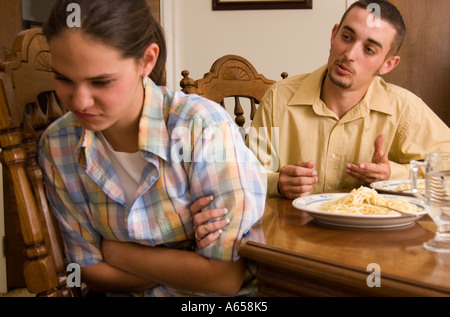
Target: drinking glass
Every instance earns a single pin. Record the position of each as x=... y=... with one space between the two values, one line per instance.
x=436 y=170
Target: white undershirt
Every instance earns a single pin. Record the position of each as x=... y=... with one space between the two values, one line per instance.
x=129 y=168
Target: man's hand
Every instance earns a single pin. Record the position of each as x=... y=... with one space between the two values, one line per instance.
x=297 y=180
x=378 y=170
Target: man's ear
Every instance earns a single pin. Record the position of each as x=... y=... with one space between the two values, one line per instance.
x=150 y=58
x=389 y=65
x=334 y=32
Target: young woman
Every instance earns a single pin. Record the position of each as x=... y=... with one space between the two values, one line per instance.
x=131 y=164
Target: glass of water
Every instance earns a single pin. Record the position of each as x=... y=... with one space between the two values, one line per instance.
x=436 y=170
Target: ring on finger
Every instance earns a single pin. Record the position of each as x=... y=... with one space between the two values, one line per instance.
x=206 y=228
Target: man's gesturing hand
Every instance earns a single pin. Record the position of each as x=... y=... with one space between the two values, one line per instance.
x=378 y=170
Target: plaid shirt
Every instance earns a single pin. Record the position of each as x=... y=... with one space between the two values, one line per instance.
x=192 y=148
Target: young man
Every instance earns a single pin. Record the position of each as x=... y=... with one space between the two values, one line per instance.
x=342 y=126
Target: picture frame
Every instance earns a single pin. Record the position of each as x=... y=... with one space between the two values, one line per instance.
x=261 y=4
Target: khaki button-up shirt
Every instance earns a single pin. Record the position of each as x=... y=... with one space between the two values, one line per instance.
x=297 y=126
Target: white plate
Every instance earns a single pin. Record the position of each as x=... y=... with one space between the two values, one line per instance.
x=311 y=204
x=390 y=186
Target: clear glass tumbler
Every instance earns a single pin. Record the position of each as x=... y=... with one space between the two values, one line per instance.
x=436 y=170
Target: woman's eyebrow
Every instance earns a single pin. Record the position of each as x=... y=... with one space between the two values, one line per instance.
x=99 y=77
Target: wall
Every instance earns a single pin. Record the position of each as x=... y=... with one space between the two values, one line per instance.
x=10 y=23
x=36 y=11
x=294 y=41
x=425 y=62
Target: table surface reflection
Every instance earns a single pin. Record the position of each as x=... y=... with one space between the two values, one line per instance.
x=297 y=256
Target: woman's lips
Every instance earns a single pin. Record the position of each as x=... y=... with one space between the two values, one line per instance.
x=83 y=115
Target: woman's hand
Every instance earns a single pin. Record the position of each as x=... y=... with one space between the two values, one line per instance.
x=207 y=230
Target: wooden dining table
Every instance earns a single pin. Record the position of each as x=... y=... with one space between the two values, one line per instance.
x=298 y=256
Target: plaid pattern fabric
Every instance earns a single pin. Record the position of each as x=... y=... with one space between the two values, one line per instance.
x=192 y=148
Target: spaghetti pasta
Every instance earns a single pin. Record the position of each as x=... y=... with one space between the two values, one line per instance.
x=366 y=201
x=405 y=187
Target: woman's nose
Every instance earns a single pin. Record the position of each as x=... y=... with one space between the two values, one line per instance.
x=82 y=99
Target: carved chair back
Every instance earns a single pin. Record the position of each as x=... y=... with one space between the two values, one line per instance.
x=231 y=76
x=27 y=105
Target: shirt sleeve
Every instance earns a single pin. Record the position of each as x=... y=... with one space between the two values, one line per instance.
x=263 y=141
x=82 y=243
x=421 y=132
x=224 y=167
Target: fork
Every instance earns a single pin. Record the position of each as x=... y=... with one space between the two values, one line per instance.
x=399 y=211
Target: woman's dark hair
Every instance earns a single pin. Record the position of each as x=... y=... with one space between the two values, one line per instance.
x=390 y=14
x=127 y=25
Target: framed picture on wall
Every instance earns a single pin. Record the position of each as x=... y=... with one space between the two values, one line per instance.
x=261 y=4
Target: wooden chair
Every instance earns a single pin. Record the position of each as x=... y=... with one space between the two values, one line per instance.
x=230 y=76
x=28 y=104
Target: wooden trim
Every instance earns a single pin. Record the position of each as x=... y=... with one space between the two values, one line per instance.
x=155 y=6
x=315 y=277
x=261 y=5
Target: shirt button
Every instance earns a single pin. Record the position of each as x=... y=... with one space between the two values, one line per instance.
x=333 y=156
